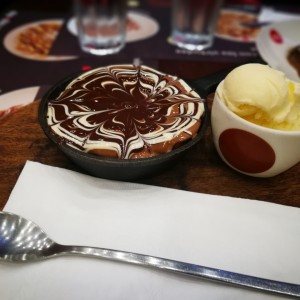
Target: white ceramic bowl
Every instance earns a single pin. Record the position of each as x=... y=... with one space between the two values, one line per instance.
x=249 y=148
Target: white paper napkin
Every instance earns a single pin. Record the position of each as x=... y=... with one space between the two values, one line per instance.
x=240 y=235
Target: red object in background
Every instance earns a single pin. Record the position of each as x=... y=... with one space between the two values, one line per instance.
x=275 y=36
x=85 y=68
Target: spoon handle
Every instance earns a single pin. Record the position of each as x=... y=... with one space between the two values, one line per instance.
x=261 y=284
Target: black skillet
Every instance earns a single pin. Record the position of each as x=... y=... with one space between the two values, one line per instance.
x=127 y=169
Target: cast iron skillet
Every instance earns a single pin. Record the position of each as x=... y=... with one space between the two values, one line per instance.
x=127 y=169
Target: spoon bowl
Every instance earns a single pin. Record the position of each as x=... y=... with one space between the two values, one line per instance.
x=22 y=240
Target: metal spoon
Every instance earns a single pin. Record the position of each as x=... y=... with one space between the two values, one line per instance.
x=23 y=241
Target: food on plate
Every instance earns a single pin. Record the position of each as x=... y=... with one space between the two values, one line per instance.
x=263 y=96
x=294 y=58
x=233 y=24
x=37 y=39
x=126 y=111
x=131 y=25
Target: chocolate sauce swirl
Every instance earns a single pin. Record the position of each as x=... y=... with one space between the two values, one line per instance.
x=125 y=111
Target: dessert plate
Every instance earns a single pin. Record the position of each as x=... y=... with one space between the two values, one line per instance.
x=274 y=44
x=139 y=27
x=23 y=40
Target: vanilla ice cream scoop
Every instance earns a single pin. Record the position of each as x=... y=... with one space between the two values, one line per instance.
x=262 y=95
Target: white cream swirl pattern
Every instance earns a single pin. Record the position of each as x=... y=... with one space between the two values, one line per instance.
x=125 y=111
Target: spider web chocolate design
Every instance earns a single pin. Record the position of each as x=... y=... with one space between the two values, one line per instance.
x=126 y=112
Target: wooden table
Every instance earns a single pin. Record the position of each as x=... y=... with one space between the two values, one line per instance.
x=200 y=170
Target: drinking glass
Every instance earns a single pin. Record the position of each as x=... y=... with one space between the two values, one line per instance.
x=193 y=23
x=101 y=25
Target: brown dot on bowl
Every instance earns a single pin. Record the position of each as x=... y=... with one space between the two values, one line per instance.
x=245 y=151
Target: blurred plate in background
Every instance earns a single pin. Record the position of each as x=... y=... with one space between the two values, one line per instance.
x=230 y=26
x=34 y=40
x=276 y=41
x=11 y=101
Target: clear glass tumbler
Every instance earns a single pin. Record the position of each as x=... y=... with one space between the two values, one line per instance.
x=101 y=25
x=193 y=23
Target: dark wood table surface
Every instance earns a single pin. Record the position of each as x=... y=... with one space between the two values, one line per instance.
x=200 y=170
